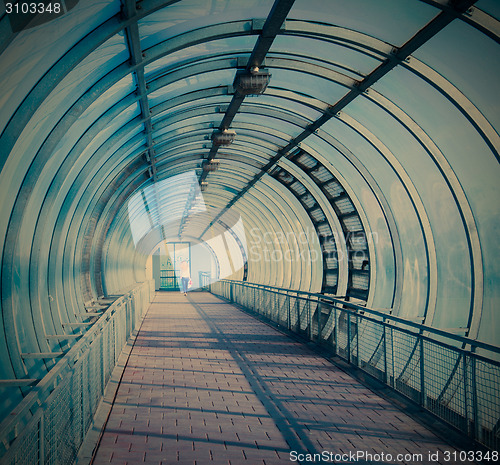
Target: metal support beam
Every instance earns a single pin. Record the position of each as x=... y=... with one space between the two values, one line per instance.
x=42 y=355
x=398 y=56
x=76 y=325
x=129 y=11
x=271 y=28
x=18 y=382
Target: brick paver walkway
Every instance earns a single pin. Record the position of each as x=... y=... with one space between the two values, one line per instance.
x=209 y=384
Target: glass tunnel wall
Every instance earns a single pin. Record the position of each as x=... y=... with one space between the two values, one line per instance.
x=267 y=239
x=368 y=169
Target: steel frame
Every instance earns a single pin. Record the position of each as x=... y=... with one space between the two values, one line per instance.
x=129 y=23
x=477 y=399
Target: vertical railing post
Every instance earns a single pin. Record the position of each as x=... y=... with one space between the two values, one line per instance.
x=318 y=319
x=41 y=439
x=297 y=305
x=393 y=367
x=309 y=319
x=348 y=337
x=384 y=346
x=82 y=380
x=289 y=312
x=357 y=341
x=276 y=308
x=103 y=363
x=475 y=407
x=423 y=394
x=466 y=395
x=335 y=330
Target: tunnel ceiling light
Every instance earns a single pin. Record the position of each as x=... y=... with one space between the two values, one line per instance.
x=203 y=186
x=253 y=82
x=211 y=165
x=225 y=137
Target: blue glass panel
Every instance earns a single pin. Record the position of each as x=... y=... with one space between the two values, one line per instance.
x=35 y=50
x=469 y=60
x=193 y=14
x=264 y=127
x=298 y=107
x=124 y=117
x=343 y=59
x=312 y=86
x=191 y=84
x=66 y=93
x=413 y=249
x=471 y=160
x=202 y=51
x=491 y=7
x=454 y=280
x=393 y=21
x=106 y=100
x=213 y=102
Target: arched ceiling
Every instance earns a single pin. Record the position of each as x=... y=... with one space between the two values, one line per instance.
x=375 y=139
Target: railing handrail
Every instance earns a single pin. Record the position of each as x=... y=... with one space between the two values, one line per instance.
x=26 y=409
x=335 y=300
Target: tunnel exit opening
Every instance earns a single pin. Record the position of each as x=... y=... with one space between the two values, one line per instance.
x=203 y=262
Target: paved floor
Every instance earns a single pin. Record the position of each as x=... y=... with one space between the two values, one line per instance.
x=209 y=384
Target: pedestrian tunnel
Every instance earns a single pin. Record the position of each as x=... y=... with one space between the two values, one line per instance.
x=332 y=166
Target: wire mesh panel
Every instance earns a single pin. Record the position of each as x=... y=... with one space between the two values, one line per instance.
x=95 y=384
x=303 y=310
x=406 y=359
x=50 y=424
x=352 y=331
x=109 y=346
x=86 y=406
x=444 y=388
x=77 y=399
x=313 y=321
x=282 y=309
x=253 y=299
x=342 y=335
x=455 y=384
x=245 y=296
x=237 y=297
x=263 y=303
x=485 y=399
x=60 y=445
x=120 y=334
x=326 y=322
x=372 y=348
x=294 y=314
x=28 y=446
x=389 y=354
x=274 y=308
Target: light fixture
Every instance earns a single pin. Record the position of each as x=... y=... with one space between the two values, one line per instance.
x=225 y=137
x=203 y=186
x=211 y=165
x=251 y=82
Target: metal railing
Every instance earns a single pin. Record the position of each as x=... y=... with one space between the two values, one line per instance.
x=50 y=423
x=205 y=280
x=454 y=377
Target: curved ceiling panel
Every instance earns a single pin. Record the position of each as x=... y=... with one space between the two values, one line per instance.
x=337 y=152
